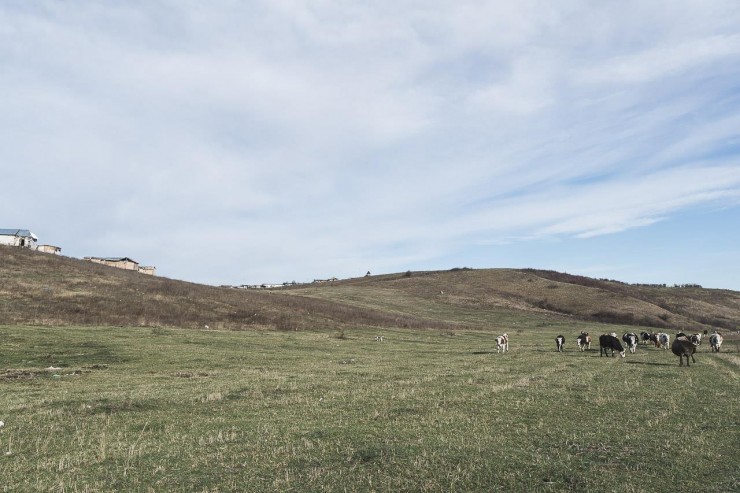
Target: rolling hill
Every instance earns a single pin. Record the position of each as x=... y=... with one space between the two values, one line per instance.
x=43 y=289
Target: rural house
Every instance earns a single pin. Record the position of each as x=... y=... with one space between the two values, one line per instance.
x=18 y=237
x=119 y=262
x=123 y=263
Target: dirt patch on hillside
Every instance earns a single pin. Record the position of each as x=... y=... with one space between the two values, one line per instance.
x=16 y=374
x=11 y=375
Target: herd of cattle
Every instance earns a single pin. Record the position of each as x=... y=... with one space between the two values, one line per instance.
x=683 y=346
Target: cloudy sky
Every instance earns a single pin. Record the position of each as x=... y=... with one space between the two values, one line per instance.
x=234 y=142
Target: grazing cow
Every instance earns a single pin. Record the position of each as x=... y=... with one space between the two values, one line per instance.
x=580 y=342
x=583 y=341
x=661 y=340
x=715 y=341
x=665 y=340
x=695 y=339
x=502 y=343
x=608 y=341
x=559 y=342
x=378 y=338
x=654 y=339
x=645 y=337
x=681 y=347
x=630 y=339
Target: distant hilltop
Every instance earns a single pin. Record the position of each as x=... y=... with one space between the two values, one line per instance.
x=24 y=238
x=54 y=290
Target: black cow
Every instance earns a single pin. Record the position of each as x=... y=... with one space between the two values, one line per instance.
x=681 y=347
x=645 y=337
x=559 y=342
x=608 y=341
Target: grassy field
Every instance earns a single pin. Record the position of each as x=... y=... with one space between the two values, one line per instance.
x=155 y=409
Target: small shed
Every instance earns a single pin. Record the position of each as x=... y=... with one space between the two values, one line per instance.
x=50 y=249
x=18 y=237
x=147 y=269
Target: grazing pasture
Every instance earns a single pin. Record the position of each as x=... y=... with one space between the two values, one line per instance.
x=154 y=409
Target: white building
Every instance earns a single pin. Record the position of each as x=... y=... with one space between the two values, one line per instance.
x=19 y=238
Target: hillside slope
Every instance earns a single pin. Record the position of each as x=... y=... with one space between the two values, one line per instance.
x=465 y=294
x=42 y=289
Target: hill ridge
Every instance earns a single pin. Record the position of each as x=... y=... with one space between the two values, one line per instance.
x=43 y=289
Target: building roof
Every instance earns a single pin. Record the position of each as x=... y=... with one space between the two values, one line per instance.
x=113 y=259
x=23 y=233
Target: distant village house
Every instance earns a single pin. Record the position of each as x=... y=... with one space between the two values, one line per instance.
x=23 y=238
x=19 y=238
x=123 y=263
x=320 y=281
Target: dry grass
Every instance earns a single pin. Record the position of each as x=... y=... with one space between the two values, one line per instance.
x=42 y=289
x=468 y=295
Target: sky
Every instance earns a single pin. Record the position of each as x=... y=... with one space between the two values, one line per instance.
x=247 y=142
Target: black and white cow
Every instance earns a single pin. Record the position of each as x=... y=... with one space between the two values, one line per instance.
x=695 y=339
x=645 y=337
x=583 y=341
x=608 y=341
x=502 y=343
x=715 y=342
x=630 y=339
x=661 y=340
x=654 y=339
x=559 y=343
x=665 y=340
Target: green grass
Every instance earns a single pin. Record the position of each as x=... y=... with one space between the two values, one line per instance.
x=142 y=409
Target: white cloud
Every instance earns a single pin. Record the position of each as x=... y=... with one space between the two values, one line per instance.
x=295 y=138
x=667 y=60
